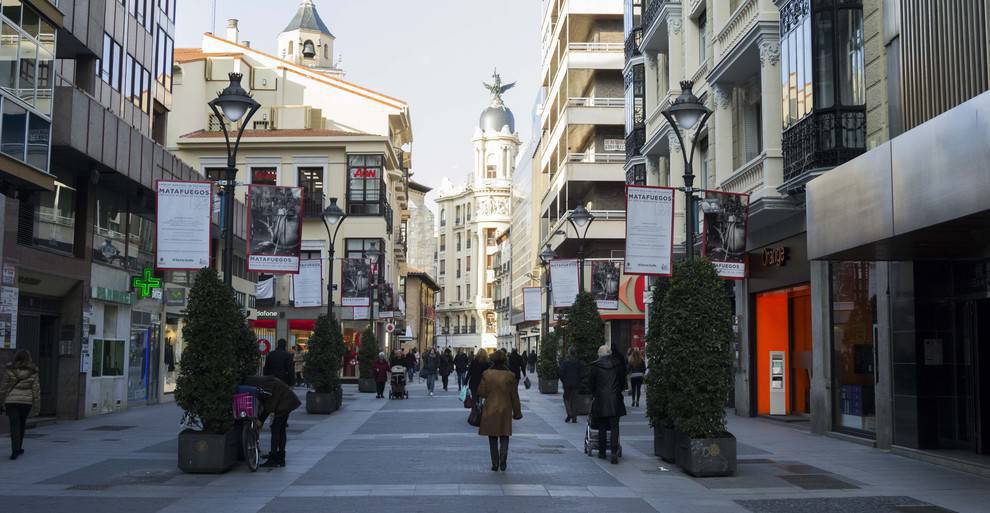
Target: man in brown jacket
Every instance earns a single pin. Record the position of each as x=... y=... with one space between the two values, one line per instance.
x=500 y=392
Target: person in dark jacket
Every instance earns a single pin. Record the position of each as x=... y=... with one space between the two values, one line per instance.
x=479 y=364
x=279 y=401
x=571 y=372
x=20 y=396
x=446 y=366
x=380 y=368
x=532 y=361
x=411 y=365
x=461 y=362
x=431 y=366
x=517 y=364
x=279 y=363
x=606 y=382
x=637 y=369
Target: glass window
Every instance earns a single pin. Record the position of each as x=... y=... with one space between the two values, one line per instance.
x=52 y=220
x=824 y=61
x=109 y=230
x=792 y=77
x=12 y=10
x=443 y=242
x=141 y=243
x=851 y=65
x=14 y=129
x=30 y=20
x=9 y=43
x=854 y=331
x=702 y=37
x=38 y=142
x=27 y=66
x=364 y=184
x=264 y=176
x=108 y=358
x=45 y=81
x=805 y=83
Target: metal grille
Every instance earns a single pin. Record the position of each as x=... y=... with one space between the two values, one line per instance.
x=823 y=139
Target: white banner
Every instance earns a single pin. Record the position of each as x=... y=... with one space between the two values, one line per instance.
x=362 y=312
x=649 y=230
x=307 y=286
x=564 y=279
x=532 y=304
x=183 y=225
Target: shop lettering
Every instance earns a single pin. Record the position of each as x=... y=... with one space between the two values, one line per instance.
x=363 y=172
x=775 y=256
x=184 y=192
x=262 y=313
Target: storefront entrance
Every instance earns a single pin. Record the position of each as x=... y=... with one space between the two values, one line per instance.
x=963 y=400
x=39 y=335
x=783 y=351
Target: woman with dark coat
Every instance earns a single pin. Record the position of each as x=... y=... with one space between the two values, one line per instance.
x=381 y=368
x=517 y=365
x=278 y=401
x=20 y=396
x=446 y=366
x=637 y=369
x=430 y=367
x=606 y=380
x=500 y=392
x=479 y=364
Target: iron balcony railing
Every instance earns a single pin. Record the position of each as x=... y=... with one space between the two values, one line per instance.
x=824 y=139
x=632 y=43
x=313 y=204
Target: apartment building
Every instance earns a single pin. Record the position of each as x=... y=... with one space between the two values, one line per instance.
x=505 y=331
x=419 y=231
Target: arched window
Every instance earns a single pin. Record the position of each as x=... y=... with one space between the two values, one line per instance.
x=491 y=169
x=443 y=217
x=290 y=47
x=326 y=51
x=474 y=325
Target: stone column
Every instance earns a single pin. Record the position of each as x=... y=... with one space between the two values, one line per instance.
x=721 y=143
x=675 y=53
x=771 y=93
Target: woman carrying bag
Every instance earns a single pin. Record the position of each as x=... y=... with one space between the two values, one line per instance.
x=20 y=396
x=499 y=405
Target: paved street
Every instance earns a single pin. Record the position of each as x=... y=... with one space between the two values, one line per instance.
x=420 y=455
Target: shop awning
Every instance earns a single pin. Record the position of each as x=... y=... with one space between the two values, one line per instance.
x=302 y=324
x=263 y=323
x=623 y=317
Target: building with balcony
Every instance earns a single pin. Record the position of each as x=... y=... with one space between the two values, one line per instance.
x=505 y=330
x=419 y=231
x=337 y=140
x=471 y=216
x=524 y=236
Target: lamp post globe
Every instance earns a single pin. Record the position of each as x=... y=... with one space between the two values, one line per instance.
x=333 y=214
x=687 y=109
x=581 y=216
x=547 y=255
x=234 y=100
x=374 y=254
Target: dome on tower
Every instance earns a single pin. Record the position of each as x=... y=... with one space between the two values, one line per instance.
x=307 y=18
x=494 y=118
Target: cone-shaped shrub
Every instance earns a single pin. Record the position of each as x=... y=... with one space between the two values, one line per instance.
x=656 y=387
x=215 y=356
x=325 y=356
x=367 y=353
x=585 y=329
x=546 y=364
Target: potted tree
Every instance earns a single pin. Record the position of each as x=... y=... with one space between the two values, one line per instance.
x=547 y=364
x=215 y=331
x=586 y=332
x=322 y=367
x=366 y=358
x=696 y=337
x=657 y=410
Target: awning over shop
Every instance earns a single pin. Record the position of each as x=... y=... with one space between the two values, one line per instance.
x=302 y=324
x=262 y=323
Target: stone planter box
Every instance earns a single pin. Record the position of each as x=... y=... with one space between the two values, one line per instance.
x=324 y=404
x=548 y=386
x=207 y=453
x=665 y=443
x=707 y=457
x=582 y=405
x=367 y=386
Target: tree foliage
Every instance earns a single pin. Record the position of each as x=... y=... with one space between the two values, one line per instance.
x=546 y=364
x=585 y=328
x=656 y=391
x=219 y=352
x=325 y=356
x=368 y=353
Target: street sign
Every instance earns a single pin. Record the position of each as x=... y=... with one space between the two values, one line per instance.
x=264 y=346
x=390 y=327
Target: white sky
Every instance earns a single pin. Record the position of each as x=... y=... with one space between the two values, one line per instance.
x=433 y=54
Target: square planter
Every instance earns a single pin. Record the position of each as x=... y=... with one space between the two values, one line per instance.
x=665 y=443
x=548 y=386
x=367 y=386
x=323 y=404
x=207 y=453
x=707 y=457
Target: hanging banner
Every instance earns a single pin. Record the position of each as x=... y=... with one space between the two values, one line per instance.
x=649 y=230
x=362 y=313
x=724 y=240
x=564 y=279
x=182 y=238
x=386 y=301
x=356 y=290
x=8 y=317
x=605 y=276
x=307 y=286
x=532 y=304
x=274 y=228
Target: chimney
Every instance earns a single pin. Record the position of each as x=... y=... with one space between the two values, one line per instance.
x=247 y=44
x=232 y=32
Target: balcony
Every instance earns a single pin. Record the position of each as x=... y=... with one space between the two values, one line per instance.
x=654 y=24
x=740 y=22
x=822 y=140
x=632 y=44
x=313 y=204
x=748 y=178
x=608 y=224
x=634 y=142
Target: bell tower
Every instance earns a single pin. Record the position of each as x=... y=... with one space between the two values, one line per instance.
x=306 y=40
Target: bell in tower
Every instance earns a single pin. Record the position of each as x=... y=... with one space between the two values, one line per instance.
x=309 y=49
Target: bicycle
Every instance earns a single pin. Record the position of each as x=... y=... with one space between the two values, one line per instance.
x=246 y=415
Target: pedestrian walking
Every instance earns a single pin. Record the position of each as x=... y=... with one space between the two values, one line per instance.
x=279 y=363
x=299 y=361
x=461 y=362
x=517 y=365
x=500 y=393
x=381 y=368
x=571 y=373
x=479 y=364
x=398 y=358
x=279 y=401
x=637 y=369
x=431 y=367
x=532 y=361
x=20 y=397
x=606 y=382
x=446 y=366
x=411 y=365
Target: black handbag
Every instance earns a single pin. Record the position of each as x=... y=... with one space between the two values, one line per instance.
x=527 y=383
x=474 y=418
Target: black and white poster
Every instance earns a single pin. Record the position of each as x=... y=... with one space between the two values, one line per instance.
x=356 y=290
x=724 y=240
x=532 y=303
x=182 y=228
x=564 y=280
x=307 y=286
x=649 y=230
x=605 y=276
x=386 y=301
x=274 y=228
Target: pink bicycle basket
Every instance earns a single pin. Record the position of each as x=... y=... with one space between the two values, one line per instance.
x=245 y=406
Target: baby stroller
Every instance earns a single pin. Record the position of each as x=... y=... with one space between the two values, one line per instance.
x=591 y=439
x=397 y=383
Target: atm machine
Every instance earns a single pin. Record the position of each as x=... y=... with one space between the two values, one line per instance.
x=778 y=383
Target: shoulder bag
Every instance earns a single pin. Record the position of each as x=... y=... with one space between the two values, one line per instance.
x=474 y=418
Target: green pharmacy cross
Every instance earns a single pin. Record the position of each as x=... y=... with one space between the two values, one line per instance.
x=145 y=283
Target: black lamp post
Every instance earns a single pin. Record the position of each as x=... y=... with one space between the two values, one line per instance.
x=547 y=256
x=683 y=115
x=332 y=216
x=232 y=104
x=580 y=220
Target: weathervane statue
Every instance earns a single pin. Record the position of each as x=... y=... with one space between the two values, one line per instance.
x=498 y=89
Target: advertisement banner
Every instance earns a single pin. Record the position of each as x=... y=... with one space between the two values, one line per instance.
x=356 y=289
x=183 y=225
x=307 y=286
x=605 y=276
x=649 y=230
x=532 y=304
x=8 y=317
x=564 y=279
x=274 y=228
x=724 y=238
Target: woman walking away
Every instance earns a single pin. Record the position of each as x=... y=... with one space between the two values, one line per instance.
x=637 y=368
x=20 y=394
x=431 y=366
x=446 y=365
x=479 y=364
x=571 y=373
x=606 y=381
x=461 y=362
x=381 y=368
x=501 y=395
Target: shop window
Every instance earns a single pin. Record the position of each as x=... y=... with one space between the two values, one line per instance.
x=853 y=298
x=108 y=358
x=365 y=184
x=264 y=176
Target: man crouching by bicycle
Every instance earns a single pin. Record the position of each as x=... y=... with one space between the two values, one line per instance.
x=279 y=401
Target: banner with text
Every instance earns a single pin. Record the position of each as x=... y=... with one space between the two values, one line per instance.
x=605 y=276
x=183 y=225
x=724 y=240
x=274 y=228
x=649 y=230
x=307 y=286
x=356 y=289
x=532 y=304
x=564 y=279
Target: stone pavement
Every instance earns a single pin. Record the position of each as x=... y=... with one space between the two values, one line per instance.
x=419 y=455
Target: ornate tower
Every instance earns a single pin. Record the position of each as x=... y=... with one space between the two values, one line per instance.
x=306 y=40
x=496 y=142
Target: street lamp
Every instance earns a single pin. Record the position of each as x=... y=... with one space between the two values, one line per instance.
x=332 y=216
x=581 y=220
x=232 y=104
x=684 y=114
x=547 y=256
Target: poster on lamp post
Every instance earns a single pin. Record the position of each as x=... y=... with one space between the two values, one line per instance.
x=356 y=289
x=564 y=278
x=274 y=228
x=649 y=230
x=724 y=238
x=605 y=276
x=183 y=225
x=307 y=286
x=532 y=303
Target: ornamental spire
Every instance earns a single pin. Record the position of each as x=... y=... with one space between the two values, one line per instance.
x=498 y=89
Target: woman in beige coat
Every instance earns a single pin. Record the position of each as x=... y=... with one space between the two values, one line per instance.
x=500 y=391
x=20 y=395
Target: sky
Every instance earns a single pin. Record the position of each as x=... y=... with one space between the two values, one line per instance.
x=433 y=54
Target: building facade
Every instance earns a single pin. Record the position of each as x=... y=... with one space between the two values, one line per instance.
x=419 y=330
x=505 y=331
x=420 y=231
